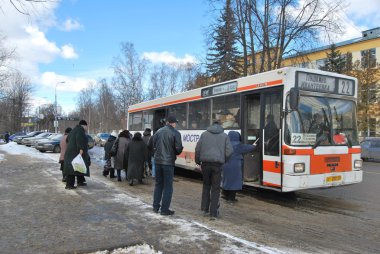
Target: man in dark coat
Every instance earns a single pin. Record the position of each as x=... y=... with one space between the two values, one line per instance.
x=167 y=144
x=233 y=168
x=77 y=143
x=136 y=155
x=211 y=152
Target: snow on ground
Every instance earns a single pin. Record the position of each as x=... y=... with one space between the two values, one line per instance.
x=138 y=249
x=15 y=149
x=185 y=227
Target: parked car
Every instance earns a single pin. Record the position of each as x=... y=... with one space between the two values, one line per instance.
x=91 y=142
x=101 y=138
x=50 y=144
x=30 y=141
x=370 y=148
x=29 y=135
x=21 y=133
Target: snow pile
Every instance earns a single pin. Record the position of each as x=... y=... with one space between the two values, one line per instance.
x=15 y=149
x=137 y=249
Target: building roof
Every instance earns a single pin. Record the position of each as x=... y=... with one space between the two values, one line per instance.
x=367 y=35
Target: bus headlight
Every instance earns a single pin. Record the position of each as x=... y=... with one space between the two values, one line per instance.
x=299 y=167
x=358 y=164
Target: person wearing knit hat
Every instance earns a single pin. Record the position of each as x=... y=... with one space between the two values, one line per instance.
x=77 y=143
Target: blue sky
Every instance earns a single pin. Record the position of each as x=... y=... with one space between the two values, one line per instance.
x=75 y=40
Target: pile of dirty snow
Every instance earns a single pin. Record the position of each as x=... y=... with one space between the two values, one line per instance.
x=137 y=249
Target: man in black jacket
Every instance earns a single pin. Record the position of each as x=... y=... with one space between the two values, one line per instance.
x=167 y=145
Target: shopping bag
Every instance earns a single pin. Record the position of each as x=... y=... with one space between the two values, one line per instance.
x=79 y=165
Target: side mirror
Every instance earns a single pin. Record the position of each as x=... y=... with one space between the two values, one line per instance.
x=294 y=98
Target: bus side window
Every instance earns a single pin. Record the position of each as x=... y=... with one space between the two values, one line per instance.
x=199 y=112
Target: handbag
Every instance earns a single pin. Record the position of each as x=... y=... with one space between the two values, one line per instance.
x=114 y=148
x=79 y=165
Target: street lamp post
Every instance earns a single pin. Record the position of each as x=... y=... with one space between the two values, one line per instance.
x=55 y=106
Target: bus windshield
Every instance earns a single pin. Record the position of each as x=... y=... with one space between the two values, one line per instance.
x=322 y=121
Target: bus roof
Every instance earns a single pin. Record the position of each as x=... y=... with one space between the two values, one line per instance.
x=261 y=80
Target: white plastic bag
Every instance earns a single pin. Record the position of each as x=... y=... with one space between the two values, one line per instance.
x=79 y=165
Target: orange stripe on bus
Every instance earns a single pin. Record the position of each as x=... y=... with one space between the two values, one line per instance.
x=321 y=164
x=271 y=184
x=354 y=150
x=270 y=166
x=166 y=103
x=183 y=100
x=260 y=85
x=298 y=151
x=254 y=86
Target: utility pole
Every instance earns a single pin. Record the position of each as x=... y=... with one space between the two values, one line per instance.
x=55 y=107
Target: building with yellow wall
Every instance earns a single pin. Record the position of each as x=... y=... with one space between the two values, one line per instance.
x=366 y=46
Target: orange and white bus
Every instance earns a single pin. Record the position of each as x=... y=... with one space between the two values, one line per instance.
x=304 y=121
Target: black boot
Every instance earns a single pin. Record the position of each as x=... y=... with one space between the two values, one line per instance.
x=112 y=173
x=118 y=174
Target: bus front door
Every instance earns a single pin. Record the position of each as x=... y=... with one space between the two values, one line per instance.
x=271 y=133
x=252 y=132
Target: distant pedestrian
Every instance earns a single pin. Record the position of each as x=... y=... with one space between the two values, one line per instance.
x=136 y=154
x=109 y=166
x=77 y=143
x=167 y=144
x=147 y=134
x=63 y=146
x=122 y=143
x=211 y=152
x=6 y=137
x=233 y=168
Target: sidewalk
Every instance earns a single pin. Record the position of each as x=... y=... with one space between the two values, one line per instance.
x=40 y=216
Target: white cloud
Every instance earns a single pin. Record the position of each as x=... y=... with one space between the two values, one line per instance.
x=168 y=58
x=71 y=84
x=68 y=52
x=70 y=25
x=355 y=17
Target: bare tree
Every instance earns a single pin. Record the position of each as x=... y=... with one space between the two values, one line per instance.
x=110 y=117
x=129 y=69
x=18 y=91
x=268 y=30
x=5 y=56
x=86 y=105
x=25 y=6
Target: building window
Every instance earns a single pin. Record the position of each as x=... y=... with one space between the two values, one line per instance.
x=368 y=58
x=321 y=63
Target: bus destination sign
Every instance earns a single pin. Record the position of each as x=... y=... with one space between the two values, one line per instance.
x=220 y=89
x=316 y=83
x=325 y=84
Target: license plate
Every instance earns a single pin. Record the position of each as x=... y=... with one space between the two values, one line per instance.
x=331 y=179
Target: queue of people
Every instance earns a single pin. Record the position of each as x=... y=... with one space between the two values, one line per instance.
x=220 y=157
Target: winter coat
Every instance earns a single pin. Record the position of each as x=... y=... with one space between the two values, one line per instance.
x=122 y=147
x=213 y=146
x=107 y=147
x=146 y=137
x=167 y=144
x=136 y=155
x=233 y=168
x=76 y=140
x=63 y=146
